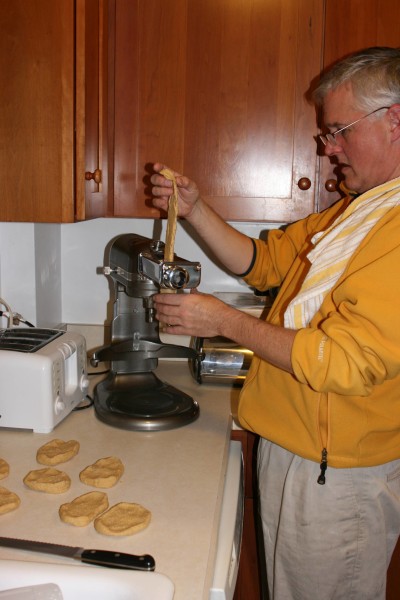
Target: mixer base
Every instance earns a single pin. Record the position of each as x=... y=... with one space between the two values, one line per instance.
x=142 y=402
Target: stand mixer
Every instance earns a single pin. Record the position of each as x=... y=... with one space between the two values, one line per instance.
x=132 y=396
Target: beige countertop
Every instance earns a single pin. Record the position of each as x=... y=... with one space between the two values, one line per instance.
x=177 y=474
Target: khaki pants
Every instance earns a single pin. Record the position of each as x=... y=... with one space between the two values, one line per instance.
x=327 y=542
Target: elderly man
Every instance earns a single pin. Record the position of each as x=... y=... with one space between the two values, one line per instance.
x=323 y=390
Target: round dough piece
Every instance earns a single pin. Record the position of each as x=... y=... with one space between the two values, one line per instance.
x=57 y=451
x=83 y=509
x=8 y=501
x=51 y=481
x=4 y=468
x=124 y=518
x=104 y=473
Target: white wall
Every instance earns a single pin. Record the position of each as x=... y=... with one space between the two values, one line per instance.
x=17 y=269
x=49 y=272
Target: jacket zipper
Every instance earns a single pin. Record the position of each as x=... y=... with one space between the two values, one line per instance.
x=323 y=466
x=324 y=438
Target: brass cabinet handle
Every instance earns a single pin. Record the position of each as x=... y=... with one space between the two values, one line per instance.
x=304 y=183
x=331 y=185
x=96 y=176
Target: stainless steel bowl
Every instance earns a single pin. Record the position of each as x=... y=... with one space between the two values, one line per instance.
x=219 y=361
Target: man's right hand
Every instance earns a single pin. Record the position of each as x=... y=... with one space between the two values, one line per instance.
x=188 y=193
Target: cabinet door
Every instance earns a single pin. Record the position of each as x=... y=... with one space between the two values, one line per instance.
x=94 y=77
x=54 y=118
x=36 y=110
x=251 y=580
x=216 y=90
x=350 y=26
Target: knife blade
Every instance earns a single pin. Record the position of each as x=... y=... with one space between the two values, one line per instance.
x=104 y=558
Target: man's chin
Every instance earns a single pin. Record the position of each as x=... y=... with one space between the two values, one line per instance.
x=349 y=178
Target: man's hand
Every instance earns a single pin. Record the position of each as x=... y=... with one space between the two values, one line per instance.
x=193 y=314
x=188 y=193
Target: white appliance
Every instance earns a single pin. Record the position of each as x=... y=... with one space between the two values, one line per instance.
x=77 y=582
x=43 y=377
x=230 y=528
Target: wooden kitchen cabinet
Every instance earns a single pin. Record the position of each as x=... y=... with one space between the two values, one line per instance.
x=52 y=59
x=251 y=581
x=350 y=26
x=393 y=576
x=94 y=142
x=213 y=89
x=216 y=90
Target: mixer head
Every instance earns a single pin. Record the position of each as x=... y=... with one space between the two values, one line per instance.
x=135 y=261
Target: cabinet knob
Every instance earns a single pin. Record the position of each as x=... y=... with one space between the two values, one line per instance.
x=331 y=185
x=96 y=176
x=304 y=183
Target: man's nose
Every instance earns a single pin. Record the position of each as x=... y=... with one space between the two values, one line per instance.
x=329 y=150
x=332 y=148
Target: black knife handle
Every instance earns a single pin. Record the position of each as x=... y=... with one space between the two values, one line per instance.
x=118 y=560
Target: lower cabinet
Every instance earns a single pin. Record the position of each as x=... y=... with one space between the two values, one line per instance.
x=251 y=583
x=250 y=577
x=393 y=576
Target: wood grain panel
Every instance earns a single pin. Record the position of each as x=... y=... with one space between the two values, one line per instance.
x=216 y=89
x=162 y=80
x=240 y=119
x=393 y=576
x=94 y=105
x=37 y=110
x=126 y=103
x=150 y=96
x=247 y=108
x=249 y=582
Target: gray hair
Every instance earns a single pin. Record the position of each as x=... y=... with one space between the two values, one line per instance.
x=374 y=74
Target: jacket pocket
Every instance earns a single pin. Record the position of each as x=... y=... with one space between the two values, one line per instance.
x=394 y=474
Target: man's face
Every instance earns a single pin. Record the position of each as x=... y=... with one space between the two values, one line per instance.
x=363 y=151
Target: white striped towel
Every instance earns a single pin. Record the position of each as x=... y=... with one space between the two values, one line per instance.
x=334 y=247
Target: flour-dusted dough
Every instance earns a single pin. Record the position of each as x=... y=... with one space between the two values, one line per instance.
x=125 y=518
x=104 y=473
x=8 y=501
x=172 y=217
x=48 y=480
x=4 y=468
x=57 y=451
x=83 y=509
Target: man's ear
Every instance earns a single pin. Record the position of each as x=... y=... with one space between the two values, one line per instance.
x=394 y=116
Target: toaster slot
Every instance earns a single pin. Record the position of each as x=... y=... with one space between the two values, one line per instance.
x=27 y=339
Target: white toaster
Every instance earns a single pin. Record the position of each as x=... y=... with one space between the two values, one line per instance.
x=43 y=377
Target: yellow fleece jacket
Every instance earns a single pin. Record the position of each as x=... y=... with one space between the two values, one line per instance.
x=345 y=392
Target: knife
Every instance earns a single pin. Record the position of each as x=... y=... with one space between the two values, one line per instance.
x=104 y=558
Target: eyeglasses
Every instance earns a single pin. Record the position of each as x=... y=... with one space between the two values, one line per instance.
x=331 y=137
